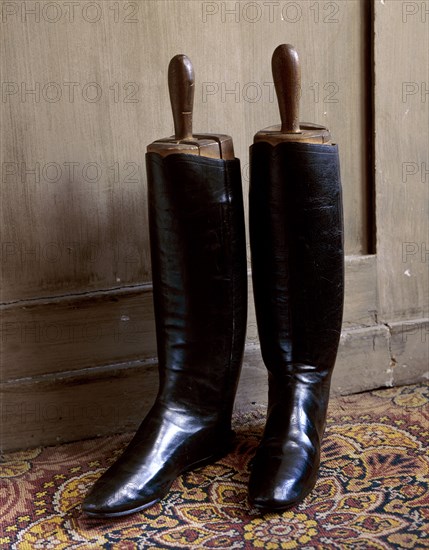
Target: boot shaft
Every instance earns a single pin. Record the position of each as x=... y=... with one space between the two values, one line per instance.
x=296 y=236
x=199 y=274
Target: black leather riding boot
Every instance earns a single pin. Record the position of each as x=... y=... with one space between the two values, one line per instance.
x=296 y=237
x=200 y=297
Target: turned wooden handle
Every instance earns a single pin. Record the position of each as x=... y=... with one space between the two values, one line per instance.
x=181 y=85
x=287 y=81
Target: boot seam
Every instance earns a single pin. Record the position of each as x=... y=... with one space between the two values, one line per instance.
x=232 y=288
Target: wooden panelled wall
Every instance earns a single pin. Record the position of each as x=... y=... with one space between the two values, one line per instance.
x=84 y=90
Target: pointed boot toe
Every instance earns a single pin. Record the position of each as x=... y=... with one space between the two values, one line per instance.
x=92 y=506
x=274 y=497
x=102 y=502
x=276 y=485
x=107 y=500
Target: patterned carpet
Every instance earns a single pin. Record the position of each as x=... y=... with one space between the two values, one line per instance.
x=372 y=492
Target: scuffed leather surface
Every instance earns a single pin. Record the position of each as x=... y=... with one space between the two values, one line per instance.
x=296 y=237
x=199 y=276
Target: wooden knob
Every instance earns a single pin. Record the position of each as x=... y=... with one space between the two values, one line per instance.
x=287 y=81
x=181 y=85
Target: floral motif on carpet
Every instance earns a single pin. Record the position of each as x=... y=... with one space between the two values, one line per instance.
x=372 y=492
